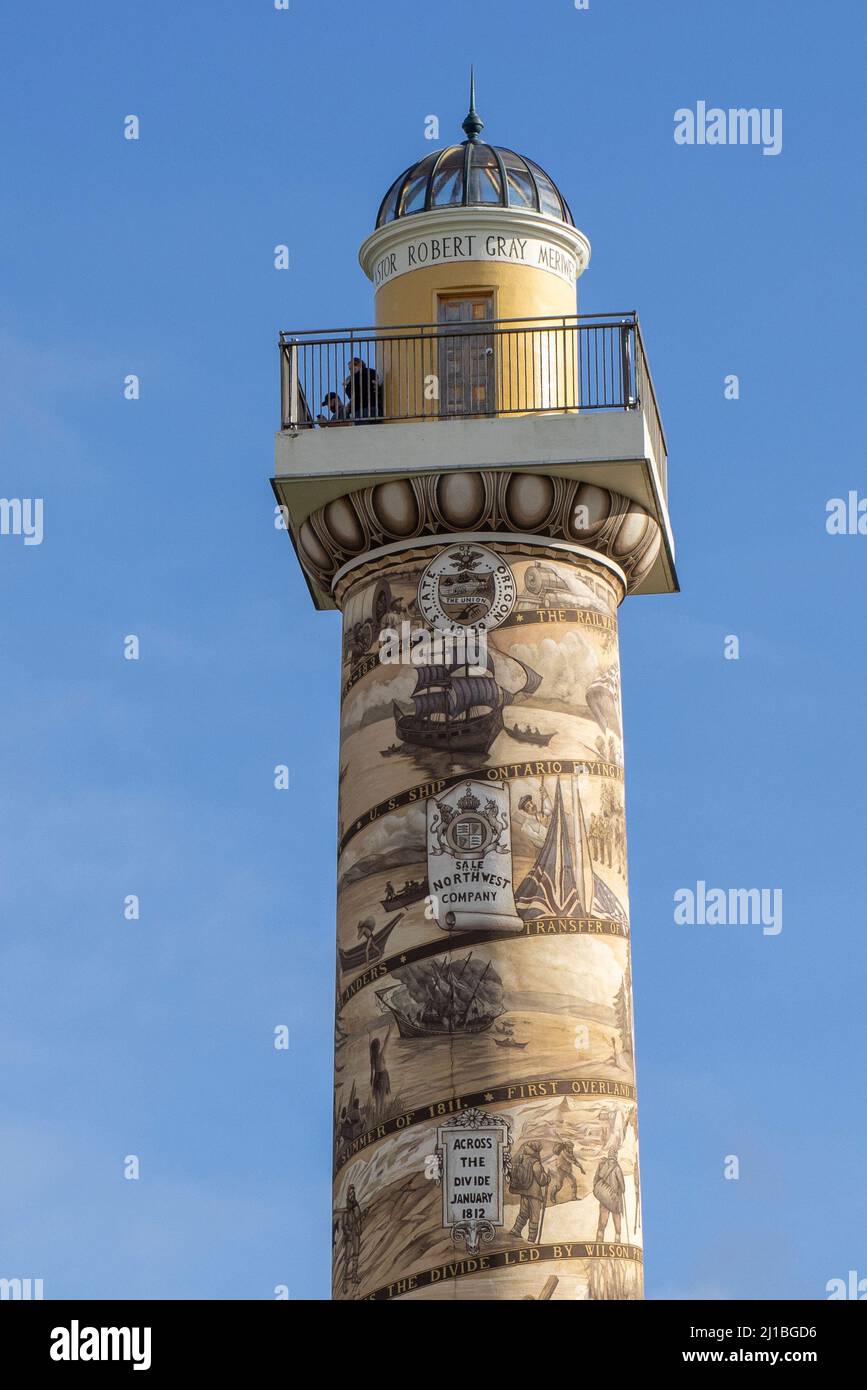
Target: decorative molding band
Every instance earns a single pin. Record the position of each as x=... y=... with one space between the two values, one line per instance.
x=463 y=1265
x=494 y=501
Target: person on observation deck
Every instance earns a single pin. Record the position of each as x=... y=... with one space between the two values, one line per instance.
x=339 y=410
x=362 y=390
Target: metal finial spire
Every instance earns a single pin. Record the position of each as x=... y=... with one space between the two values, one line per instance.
x=472 y=123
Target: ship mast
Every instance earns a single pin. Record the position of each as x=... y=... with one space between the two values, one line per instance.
x=475 y=992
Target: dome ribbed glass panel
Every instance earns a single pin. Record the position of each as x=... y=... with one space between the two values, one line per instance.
x=473 y=174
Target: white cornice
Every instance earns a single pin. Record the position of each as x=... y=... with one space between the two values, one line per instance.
x=536 y=231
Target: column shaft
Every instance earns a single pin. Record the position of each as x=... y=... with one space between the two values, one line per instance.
x=485 y=1114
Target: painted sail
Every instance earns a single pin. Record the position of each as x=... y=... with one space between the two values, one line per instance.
x=427 y=676
x=532 y=681
x=468 y=691
x=550 y=888
x=432 y=702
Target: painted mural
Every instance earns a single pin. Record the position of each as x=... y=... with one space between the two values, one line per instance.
x=484 y=1109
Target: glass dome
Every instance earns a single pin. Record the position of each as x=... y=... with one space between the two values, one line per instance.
x=473 y=174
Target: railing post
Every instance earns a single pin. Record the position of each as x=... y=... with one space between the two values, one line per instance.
x=627 y=358
x=284 y=384
x=290 y=384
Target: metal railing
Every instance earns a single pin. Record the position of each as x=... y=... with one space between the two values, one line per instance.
x=550 y=365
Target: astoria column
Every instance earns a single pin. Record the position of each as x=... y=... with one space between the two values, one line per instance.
x=477 y=483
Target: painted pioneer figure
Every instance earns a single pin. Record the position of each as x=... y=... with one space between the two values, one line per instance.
x=562 y=1174
x=609 y=1190
x=352 y=1218
x=351 y=1121
x=380 y=1081
x=365 y=931
x=529 y=1181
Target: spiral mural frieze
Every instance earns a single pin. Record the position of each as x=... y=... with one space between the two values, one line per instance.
x=485 y=1120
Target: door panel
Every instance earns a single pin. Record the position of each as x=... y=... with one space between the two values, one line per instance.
x=466 y=355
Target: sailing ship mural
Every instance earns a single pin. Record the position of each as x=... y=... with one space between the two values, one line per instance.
x=463 y=996
x=459 y=709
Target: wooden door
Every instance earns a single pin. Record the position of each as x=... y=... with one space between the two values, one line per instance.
x=466 y=355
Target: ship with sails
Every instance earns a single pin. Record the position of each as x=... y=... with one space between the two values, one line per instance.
x=458 y=708
x=444 y=998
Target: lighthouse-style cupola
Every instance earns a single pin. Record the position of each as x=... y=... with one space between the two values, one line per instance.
x=474 y=218
x=477 y=482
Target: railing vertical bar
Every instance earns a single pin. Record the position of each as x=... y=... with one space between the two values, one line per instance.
x=293 y=385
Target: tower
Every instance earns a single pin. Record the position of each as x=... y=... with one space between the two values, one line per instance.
x=477 y=482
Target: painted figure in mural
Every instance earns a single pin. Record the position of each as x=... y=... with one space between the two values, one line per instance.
x=609 y=1189
x=529 y=1181
x=542 y=812
x=562 y=1174
x=365 y=930
x=351 y=1120
x=356 y=1117
x=352 y=1220
x=380 y=1081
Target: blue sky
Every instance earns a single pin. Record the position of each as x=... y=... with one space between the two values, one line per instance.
x=154 y=777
